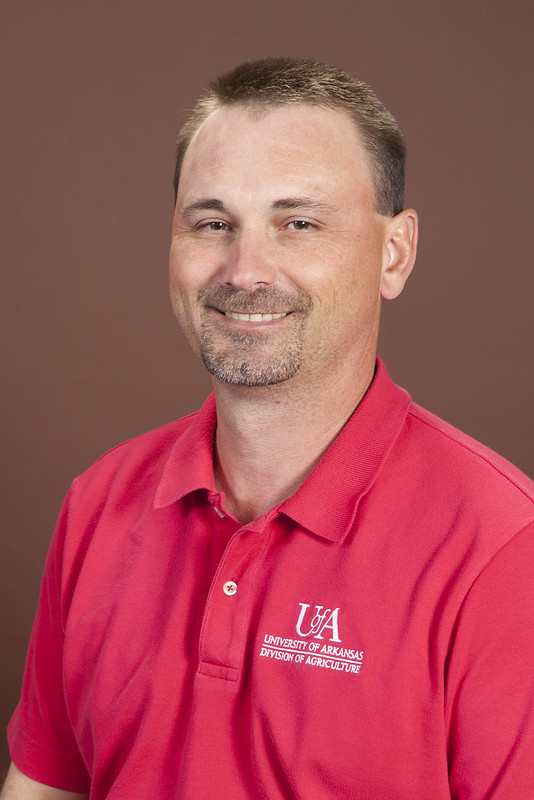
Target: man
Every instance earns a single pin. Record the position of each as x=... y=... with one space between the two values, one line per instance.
x=312 y=588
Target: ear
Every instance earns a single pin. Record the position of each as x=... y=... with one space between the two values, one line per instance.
x=400 y=247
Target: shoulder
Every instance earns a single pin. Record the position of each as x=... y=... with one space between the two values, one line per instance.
x=135 y=465
x=149 y=445
x=117 y=494
x=466 y=488
x=450 y=453
x=457 y=504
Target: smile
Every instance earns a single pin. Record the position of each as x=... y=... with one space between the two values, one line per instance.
x=254 y=317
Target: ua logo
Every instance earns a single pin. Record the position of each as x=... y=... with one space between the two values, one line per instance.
x=321 y=621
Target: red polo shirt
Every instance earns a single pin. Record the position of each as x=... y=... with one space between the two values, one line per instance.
x=371 y=637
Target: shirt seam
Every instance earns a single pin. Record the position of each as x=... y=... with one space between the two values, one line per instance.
x=473 y=452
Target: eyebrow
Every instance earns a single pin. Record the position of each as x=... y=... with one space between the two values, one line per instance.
x=204 y=204
x=293 y=203
x=285 y=204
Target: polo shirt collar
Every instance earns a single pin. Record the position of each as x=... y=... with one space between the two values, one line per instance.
x=190 y=464
x=327 y=501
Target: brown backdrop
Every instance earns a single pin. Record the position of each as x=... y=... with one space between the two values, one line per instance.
x=94 y=94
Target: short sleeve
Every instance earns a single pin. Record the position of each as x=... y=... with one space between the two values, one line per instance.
x=41 y=740
x=490 y=681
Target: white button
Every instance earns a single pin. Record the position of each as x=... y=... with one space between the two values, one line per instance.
x=230 y=588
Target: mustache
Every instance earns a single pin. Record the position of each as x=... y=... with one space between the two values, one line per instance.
x=264 y=300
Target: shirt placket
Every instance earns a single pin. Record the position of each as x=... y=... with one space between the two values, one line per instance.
x=227 y=612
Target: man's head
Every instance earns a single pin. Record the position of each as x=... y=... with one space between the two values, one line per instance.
x=265 y=84
x=279 y=259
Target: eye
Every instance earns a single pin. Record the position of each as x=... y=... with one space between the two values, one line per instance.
x=214 y=225
x=300 y=225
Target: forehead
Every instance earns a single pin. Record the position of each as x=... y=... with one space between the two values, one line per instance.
x=299 y=141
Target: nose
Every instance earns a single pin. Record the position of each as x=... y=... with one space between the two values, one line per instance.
x=250 y=260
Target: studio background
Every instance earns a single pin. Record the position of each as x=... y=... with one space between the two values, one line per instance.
x=93 y=95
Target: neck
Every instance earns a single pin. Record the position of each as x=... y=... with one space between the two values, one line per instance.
x=269 y=439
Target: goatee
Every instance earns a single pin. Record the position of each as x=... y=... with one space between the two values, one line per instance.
x=255 y=357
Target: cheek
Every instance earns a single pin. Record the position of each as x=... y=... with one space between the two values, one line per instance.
x=348 y=285
x=182 y=275
x=184 y=310
x=181 y=287
x=192 y=266
x=362 y=271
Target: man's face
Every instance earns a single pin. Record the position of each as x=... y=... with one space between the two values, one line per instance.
x=277 y=252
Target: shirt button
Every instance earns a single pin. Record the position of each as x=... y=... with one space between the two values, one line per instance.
x=230 y=588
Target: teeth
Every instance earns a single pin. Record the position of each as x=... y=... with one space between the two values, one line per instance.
x=254 y=317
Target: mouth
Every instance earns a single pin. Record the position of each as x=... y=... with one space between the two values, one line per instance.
x=254 y=317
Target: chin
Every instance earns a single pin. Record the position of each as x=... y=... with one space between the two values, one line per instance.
x=244 y=373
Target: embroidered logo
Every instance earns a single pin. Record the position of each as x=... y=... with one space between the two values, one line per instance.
x=315 y=627
x=320 y=621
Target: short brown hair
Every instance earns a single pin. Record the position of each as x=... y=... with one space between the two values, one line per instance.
x=279 y=81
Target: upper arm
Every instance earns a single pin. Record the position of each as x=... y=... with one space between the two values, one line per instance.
x=490 y=695
x=19 y=787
